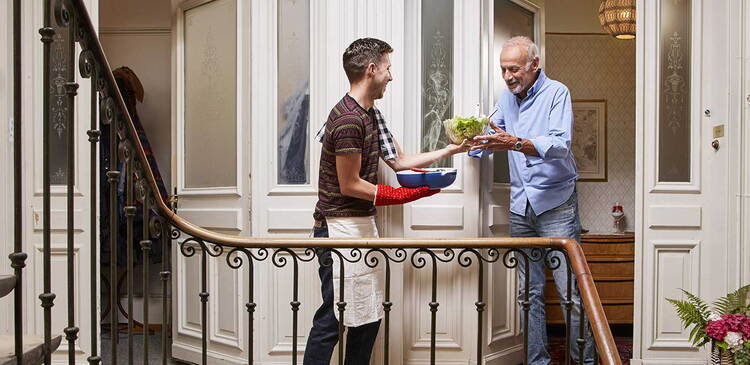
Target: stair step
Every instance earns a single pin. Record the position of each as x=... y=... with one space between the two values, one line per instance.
x=7 y=283
x=32 y=349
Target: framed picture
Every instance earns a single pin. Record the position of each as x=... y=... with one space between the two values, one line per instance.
x=590 y=139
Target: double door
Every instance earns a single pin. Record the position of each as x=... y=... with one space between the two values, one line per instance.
x=265 y=74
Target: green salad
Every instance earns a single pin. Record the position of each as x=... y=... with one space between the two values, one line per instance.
x=459 y=128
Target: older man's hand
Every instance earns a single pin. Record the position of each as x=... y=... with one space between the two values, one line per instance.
x=499 y=141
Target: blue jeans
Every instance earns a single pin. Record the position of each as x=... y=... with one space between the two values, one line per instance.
x=564 y=222
x=324 y=333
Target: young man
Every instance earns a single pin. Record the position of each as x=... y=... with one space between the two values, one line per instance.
x=354 y=139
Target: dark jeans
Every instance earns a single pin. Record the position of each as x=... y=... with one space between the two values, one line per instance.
x=325 y=329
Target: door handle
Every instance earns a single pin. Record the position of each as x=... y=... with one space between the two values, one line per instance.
x=715 y=144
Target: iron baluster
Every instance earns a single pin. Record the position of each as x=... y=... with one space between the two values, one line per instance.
x=420 y=262
x=93 y=134
x=112 y=177
x=480 y=307
x=204 y=305
x=71 y=88
x=235 y=262
x=295 y=308
x=280 y=261
x=568 y=309
x=581 y=332
x=129 y=215
x=387 y=311
x=145 y=254
x=47 y=298
x=525 y=305
x=341 y=304
x=17 y=258
x=166 y=240
x=250 y=307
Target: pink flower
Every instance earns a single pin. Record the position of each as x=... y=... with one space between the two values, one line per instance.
x=738 y=323
x=717 y=329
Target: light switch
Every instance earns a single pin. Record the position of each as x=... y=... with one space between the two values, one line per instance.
x=719 y=131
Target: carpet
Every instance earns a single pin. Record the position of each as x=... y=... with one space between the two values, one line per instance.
x=557 y=349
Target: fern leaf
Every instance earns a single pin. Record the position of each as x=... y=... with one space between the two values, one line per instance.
x=688 y=313
x=699 y=304
x=732 y=303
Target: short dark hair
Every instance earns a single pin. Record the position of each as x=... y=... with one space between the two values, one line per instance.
x=360 y=54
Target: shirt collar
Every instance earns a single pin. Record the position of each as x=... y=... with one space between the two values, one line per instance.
x=541 y=78
x=353 y=102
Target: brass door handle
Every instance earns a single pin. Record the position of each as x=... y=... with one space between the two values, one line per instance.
x=715 y=144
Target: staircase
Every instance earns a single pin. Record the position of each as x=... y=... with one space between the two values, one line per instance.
x=33 y=346
x=33 y=349
x=114 y=125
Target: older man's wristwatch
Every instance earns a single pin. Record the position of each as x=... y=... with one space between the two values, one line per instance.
x=519 y=144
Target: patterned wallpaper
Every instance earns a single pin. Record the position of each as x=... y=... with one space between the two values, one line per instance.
x=602 y=67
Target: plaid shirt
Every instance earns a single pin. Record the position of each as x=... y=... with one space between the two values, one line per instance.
x=385 y=138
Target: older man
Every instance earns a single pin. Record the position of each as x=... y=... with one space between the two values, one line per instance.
x=533 y=120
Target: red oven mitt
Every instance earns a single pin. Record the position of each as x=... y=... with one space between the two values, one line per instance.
x=388 y=195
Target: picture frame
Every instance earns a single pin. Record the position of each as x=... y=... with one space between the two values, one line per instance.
x=589 y=144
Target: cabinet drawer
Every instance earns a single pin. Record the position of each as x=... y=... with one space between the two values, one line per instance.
x=607 y=271
x=616 y=314
x=608 y=290
x=609 y=249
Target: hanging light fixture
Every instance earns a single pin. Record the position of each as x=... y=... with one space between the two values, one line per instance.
x=617 y=17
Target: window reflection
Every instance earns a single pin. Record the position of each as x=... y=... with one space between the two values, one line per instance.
x=58 y=99
x=211 y=95
x=437 y=74
x=293 y=91
x=674 y=92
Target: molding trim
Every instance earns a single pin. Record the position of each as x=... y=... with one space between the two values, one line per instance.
x=575 y=33
x=135 y=31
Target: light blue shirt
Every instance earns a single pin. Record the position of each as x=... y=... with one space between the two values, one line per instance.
x=545 y=117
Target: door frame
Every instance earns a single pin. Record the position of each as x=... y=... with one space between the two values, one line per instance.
x=494 y=198
x=656 y=338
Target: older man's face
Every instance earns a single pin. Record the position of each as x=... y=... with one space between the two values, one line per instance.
x=513 y=64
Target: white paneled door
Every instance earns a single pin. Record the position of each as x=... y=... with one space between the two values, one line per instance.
x=687 y=166
x=211 y=132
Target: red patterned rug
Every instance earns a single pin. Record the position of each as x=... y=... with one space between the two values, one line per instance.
x=557 y=349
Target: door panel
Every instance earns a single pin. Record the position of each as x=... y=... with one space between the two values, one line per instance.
x=211 y=169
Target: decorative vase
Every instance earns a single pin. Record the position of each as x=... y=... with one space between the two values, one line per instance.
x=720 y=356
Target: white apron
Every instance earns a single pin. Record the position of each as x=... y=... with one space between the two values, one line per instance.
x=363 y=285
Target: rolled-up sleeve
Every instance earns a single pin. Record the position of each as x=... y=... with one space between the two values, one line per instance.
x=556 y=143
x=499 y=120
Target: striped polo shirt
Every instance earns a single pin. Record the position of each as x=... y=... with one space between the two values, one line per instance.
x=349 y=129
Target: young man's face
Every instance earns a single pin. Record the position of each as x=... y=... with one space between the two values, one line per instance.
x=381 y=77
x=517 y=72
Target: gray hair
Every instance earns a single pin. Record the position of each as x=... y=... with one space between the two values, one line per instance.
x=532 y=51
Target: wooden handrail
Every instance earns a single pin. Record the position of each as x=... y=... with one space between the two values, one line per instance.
x=589 y=295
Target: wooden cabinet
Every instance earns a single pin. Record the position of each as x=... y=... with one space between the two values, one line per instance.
x=611 y=258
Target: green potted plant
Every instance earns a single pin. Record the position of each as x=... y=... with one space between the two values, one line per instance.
x=726 y=326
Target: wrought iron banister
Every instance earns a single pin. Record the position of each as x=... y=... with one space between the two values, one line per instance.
x=142 y=187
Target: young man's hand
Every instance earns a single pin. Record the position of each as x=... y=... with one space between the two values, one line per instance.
x=458 y=148
x=388 y=195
